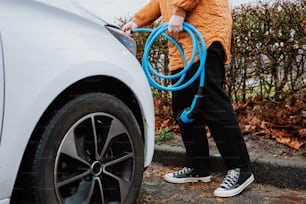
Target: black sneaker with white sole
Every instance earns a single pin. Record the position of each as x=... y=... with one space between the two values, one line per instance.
x=234 y=183
x=186 y=175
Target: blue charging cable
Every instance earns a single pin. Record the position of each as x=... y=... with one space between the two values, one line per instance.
x=199 y=48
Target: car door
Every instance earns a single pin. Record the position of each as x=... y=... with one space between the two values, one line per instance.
x=1 y=85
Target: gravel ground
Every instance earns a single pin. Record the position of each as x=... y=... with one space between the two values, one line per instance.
x=156 y=191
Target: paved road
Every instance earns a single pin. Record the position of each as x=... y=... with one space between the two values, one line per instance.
x=156 y=191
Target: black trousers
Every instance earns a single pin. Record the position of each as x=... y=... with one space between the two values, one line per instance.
x=217 y=113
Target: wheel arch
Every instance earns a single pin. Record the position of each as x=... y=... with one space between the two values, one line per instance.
x=103 y=84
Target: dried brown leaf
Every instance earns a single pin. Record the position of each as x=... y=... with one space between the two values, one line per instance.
x=302 y=132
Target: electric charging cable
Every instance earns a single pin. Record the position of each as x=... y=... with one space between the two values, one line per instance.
x=199 y=48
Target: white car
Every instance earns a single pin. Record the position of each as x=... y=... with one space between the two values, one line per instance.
x=76 y=110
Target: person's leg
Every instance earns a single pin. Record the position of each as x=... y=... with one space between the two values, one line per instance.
x=220 y=117
x=193 y=134
x=196 y=145
x=194 y=139
x=218 y=112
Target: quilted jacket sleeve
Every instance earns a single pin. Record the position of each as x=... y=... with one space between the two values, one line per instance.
x=147 y=14
x=182 y=6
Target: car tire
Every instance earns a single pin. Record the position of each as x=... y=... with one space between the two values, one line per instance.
x=90 y=152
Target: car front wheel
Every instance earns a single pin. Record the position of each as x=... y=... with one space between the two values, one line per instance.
x=90 y=152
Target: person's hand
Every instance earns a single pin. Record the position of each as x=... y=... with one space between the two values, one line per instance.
x=175 y=24
x=128 y=27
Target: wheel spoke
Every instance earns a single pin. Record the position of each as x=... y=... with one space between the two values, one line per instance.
x=72 y=179
x=124 y=185
x=95 y=137
x=88 y=197
x=69 y=148
x=101 y=190
x=116 y=129
x=119 y=160
x=84 y=193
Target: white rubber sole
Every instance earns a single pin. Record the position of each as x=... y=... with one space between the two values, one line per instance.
x=220 y=192
x=169 y=178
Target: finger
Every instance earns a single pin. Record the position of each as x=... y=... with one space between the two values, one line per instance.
x=126 y=27
x=173 y=29
x=128 y=32
x=170 y=29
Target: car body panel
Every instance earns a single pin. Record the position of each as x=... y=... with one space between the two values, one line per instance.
x=5 y=201
x=1 y=86
x=72 y=50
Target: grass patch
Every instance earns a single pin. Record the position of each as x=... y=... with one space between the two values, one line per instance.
x=164 y=134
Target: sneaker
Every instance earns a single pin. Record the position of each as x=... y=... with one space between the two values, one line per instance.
x=186 y=175
x=234 y=182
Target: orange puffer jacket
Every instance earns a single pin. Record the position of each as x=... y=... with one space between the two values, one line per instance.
x=211 y=17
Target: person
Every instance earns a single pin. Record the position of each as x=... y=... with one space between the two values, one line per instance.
x=214 y=21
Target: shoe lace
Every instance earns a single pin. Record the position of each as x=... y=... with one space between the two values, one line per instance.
x=183 y=171
x=231 y=178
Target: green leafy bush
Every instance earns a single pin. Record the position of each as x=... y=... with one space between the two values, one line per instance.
x=268 y=54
